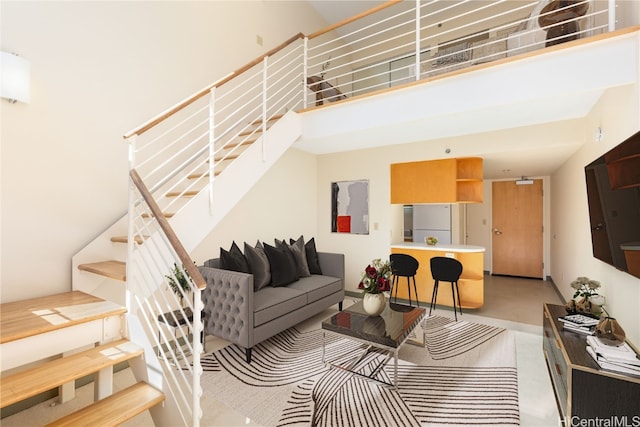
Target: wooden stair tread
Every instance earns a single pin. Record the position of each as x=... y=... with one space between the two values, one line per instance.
x=115 y=409
x=49 y=375
x=241 y=144
x=272 y=119
x=252 y=131
x=226 y=158
x=22 y=319
x=125 y=239
x=113 y=269
x=182 y=193
x=202 y=175
x=166 y=215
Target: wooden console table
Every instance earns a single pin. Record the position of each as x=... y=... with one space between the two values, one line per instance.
x=583 y=390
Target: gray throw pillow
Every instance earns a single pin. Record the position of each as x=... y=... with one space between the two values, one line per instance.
x=297 y=249
x=299 y=252
x=259 y=265
x=283 y=265
x=233 y=259
x=312 y=257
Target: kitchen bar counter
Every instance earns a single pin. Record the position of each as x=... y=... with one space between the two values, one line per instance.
x=471 y=283
x=438 y=247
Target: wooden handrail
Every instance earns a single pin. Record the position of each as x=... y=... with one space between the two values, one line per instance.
x=162 y=116
x=354 y=18
x=182 y=253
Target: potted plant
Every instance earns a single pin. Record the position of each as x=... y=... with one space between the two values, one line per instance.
x=586 y=298
x=179 y=282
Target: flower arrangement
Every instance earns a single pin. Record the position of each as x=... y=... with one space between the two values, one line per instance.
x=376 y=277
x=585 y=287
x=583 y=301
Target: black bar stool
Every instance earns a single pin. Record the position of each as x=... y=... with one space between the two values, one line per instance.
x=403 y=265
x=446 y=270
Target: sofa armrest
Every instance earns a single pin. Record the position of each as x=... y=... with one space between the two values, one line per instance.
x=332 y=264
x=228 y=305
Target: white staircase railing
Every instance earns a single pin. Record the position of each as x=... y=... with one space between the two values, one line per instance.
x=167 y=318
x=176 y=157
x=173 y=158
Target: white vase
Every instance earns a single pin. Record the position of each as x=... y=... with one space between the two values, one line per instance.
x=374 y=304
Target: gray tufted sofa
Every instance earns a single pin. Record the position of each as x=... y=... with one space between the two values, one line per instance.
x=237 y=313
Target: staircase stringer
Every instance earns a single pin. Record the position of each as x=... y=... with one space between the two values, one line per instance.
x=195 y=221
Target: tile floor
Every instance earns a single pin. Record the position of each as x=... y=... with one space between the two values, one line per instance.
x=512 y=303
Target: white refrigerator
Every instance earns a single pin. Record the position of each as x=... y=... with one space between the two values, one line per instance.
x=432 y=220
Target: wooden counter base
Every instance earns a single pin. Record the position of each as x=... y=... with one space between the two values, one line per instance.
x=470 y=285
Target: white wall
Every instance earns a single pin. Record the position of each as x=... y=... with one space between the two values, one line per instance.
x=618 y=115
x=282 y=205
x=99 y=69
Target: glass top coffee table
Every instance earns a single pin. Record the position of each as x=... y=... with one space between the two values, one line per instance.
x=386 y=332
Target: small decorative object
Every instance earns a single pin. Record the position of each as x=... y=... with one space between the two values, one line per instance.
x=610 y=331
x=375 y=280
x=374 y=304
x=431 y=241
x=178 y=283
x=586 y=290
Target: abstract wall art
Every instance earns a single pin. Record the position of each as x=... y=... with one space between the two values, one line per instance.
x=350 y=207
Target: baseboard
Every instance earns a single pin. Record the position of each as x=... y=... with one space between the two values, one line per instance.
x=353 y=294
x=555 y=287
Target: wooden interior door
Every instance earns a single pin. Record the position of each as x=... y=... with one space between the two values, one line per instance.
x=517 y=229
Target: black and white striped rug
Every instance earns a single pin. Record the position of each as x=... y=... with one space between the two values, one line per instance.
x=464 y=376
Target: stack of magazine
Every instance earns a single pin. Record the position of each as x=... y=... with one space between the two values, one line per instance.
x=579 y=323
x=614 y=358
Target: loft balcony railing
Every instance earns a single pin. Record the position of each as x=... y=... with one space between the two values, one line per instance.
x=180 y=152
x=406 y=41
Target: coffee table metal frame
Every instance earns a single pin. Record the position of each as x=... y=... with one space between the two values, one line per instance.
x=392 y=351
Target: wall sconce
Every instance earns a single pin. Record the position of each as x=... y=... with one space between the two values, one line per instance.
x=15 y=75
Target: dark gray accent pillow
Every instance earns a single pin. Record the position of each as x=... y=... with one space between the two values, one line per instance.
x=259 y=265
x=233 y=259
x=312 y=257
x=298 y=251
x=283 y=265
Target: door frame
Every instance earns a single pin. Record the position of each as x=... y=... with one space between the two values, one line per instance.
x=546 y=215
x=481 y=234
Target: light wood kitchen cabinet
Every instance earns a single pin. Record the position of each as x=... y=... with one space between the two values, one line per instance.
x=437 y=181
